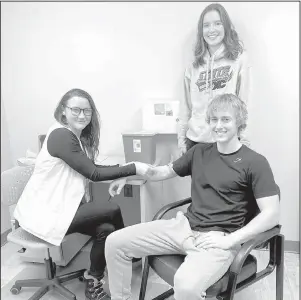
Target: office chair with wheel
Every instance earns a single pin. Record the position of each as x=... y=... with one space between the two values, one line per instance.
x=27 y=240
x=13 y=182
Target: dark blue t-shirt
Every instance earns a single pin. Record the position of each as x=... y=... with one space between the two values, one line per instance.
x=222 y=185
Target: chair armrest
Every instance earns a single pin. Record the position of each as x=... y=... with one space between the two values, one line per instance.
x=248 y=246
x=169 y=207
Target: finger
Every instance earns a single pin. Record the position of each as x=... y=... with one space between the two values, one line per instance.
x=210 y=233
x=119 y=190
x=204 y=241
x=111 y=190
x=208 y=245
x=115 y=187
x=200 y=242
x=112 y=193
x=196 y=243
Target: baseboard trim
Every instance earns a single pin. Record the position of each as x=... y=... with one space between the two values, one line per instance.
x=289 y=246
x=4 y=237
x=292 y=246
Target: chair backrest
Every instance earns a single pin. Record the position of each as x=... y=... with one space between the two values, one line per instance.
x=13 y=182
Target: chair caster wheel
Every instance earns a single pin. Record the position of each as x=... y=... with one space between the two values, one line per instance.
x=81 y=278
x=15 y=290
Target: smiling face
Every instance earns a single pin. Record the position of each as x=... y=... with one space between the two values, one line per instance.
x=77 y=120
x=223 y=125
x=213 y=30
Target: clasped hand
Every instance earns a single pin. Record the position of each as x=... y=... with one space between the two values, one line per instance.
x=142 y=169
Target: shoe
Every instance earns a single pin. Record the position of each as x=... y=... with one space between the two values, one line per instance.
x=94 y=288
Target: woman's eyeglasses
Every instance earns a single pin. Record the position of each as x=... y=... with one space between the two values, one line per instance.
x=76 y=111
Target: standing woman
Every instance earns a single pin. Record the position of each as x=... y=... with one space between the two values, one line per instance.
x=56 y=200
x=220 y=66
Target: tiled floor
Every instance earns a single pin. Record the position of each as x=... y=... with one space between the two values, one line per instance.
x=13 y=268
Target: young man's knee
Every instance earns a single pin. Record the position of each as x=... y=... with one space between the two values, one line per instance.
x=186 y=288
x=115 y=241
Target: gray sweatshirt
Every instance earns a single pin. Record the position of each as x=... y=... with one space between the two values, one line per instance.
x=217 y=76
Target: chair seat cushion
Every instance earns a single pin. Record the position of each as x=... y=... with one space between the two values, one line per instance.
x=166 y=266
x=27 y=240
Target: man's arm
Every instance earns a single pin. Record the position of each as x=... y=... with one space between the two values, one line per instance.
x=264 y=188
x=265 y=220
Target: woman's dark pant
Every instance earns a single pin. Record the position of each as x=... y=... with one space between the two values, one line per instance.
x=97 y=220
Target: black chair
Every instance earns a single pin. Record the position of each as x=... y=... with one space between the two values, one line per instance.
x=243 y=270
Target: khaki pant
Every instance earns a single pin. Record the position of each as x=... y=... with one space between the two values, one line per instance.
x=201 y=268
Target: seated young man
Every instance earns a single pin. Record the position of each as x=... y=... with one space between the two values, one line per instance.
x=213 y=229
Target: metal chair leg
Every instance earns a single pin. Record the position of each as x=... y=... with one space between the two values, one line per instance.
x=40 y=293
x=231 y=287
x=165 y=295
x=63 y=291
x=30 y=283
x=280 y=266
x=50 y=268
x=144 y=279
x=72 y=275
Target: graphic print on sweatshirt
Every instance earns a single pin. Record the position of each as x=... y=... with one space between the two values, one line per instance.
x=220 y=78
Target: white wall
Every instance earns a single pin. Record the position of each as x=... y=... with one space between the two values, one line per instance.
x=124 y=53
x=6 y=163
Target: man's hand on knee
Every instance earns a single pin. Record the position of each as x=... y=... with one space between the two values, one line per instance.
x=214 y=239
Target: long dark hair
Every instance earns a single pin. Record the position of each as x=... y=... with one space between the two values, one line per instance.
x=90 y=134
x=233 y=46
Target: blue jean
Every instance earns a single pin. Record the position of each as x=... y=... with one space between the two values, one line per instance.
x=201 y=268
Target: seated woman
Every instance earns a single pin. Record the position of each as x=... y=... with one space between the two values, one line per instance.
x=56 y=200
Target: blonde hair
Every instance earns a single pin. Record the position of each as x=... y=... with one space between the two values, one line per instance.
x=226 y=101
